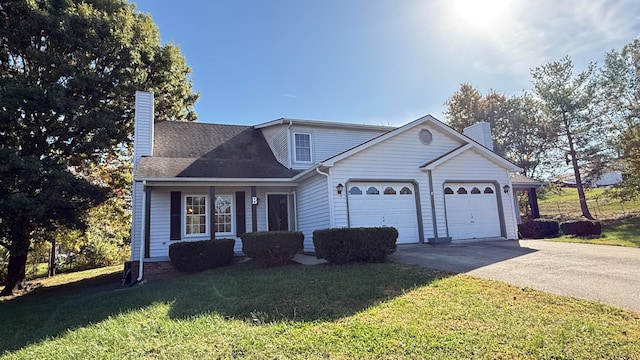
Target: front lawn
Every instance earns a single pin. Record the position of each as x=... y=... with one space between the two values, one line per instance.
x=566 y=206
x=352 y=311
x=620 y=219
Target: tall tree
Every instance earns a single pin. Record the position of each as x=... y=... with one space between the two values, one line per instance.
x=516 y=132
x=463 y=107
x=525 y=139
x=68 y=73
x=572 y=115
x=621 y=92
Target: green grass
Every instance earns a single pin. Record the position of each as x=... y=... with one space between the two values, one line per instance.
x=356 y=311
x=565 y=205
x=620 y=219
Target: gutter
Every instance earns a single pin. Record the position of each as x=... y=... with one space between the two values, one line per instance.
x=330 y=195
x=144 y=216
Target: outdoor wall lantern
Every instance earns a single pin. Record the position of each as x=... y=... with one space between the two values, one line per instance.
x=506 y=188
x=339 y=188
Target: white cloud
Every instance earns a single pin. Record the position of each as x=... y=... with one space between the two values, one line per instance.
x=529 y=34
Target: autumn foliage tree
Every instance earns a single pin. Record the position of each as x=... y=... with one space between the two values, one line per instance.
x=68 y=73
x=516 y=130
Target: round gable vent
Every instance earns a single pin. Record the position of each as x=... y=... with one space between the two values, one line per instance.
x=425 y=136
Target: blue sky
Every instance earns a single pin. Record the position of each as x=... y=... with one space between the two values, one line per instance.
x=382 y=62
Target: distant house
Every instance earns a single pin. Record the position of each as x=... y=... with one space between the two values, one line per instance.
x=195 y=181
x=608 y=178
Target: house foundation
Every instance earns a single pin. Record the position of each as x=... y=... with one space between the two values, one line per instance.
x=153 y=270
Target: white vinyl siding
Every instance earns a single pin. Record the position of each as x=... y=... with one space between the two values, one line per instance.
x=277 y=137
x=327 y=142
x=470 y=166
x=143 y=128
x=397 y=158
x=313 y=208
x=136 y=219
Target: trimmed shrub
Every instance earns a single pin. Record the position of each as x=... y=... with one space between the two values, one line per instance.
x=195 y=256
x=538 y=229
x=347 y=245
x=272 y=247
x=581 y=228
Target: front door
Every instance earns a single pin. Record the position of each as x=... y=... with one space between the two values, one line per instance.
x=277 y=211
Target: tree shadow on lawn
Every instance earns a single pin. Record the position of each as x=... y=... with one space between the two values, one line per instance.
x=243 y=292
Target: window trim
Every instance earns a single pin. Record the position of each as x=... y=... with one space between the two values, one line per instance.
x=295 y=149
x=184 y=217
x=208 y=214
x=232 y=211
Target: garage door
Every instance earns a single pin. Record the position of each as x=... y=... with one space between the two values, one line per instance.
x=384 y=204
x=472 y=210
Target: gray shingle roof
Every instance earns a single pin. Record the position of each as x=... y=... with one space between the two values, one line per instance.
x=202 y=150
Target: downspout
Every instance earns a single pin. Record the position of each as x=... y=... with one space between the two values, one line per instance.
x=142 y=236
x=290 y=145
x=331 y=209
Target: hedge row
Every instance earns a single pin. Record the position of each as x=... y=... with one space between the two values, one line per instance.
x=538 y=229
x=541 y=229
x=194 y=256
x=582 y=228
x=346 y=245
x=272 y=247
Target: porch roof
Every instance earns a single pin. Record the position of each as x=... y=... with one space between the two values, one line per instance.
x=183 y=150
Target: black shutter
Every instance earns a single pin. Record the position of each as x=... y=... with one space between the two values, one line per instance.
x=241 y=217
x=176 y=212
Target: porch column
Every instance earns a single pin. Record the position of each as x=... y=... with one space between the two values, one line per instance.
x=212 y=212
x=254 y=210
x=533 y=203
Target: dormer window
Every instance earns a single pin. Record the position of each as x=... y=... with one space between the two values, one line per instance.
x=302 y=147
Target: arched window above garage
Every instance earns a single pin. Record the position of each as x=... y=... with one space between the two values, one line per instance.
x=355 y=191
x=389 y=191
x=475 y=190
x=488 y=190
x=405 y=191
x=373 y=191
x=448 y=191
x=462 y=190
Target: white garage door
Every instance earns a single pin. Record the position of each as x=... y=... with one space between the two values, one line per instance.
x=384 y=204
x=472 y=210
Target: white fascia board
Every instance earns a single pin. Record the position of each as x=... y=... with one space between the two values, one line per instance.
x=270 y=123
x=217 y=181
x=490 y=155
x=309 y=171
x=320 y=123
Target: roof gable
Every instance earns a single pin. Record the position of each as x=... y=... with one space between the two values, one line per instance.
x=428 y=119
x=202 y=150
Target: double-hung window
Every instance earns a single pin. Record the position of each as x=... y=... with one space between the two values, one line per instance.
x=302 y=147
x=196 y=215
x=196 y=220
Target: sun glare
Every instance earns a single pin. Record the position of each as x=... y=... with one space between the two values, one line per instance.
x=480 y=13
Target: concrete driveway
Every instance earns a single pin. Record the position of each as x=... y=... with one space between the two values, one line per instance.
x=609 y=274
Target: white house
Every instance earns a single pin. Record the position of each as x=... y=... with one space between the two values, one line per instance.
x=195 y=181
